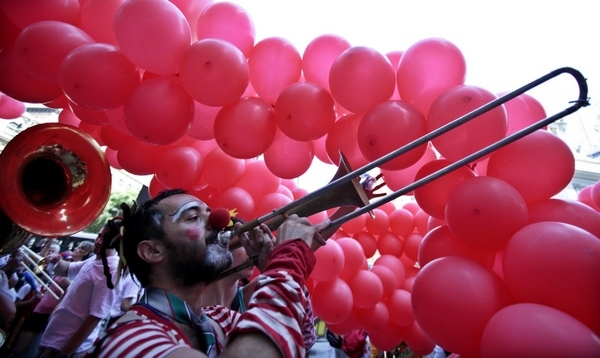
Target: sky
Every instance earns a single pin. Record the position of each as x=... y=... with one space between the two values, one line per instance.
x=506 y=44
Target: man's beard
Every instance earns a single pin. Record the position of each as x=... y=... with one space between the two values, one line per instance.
x=194 y=264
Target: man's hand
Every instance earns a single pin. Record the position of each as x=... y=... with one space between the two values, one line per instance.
x=259 y=242
x=295 y=227
x=53 y=258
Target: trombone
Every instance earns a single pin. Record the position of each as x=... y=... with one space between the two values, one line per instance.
x=38 y=262
x=344 y=214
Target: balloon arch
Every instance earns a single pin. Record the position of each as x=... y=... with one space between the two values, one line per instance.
x=484 y=262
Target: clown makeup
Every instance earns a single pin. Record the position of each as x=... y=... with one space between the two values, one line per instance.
x=192 y=205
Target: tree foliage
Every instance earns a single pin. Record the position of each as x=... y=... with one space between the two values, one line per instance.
x=112 y=209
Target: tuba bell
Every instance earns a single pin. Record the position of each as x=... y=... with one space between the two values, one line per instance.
x=55 y=181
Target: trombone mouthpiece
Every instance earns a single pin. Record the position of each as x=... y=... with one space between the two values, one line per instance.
x=229 y=239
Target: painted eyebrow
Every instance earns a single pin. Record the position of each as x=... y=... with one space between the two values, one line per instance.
x=187 y=206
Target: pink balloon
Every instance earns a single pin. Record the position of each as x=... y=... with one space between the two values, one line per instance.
x=319 y=55
x=349 y=324
x=566 y=211
x=418 y=341
x=66 y=116
x=411 y=246
x=367 y=289
x=10 y=108
x=388 y=338
x=23 y=13
x=203 y=122
x=138 y=157
x=270 y=202
x=522 y=111
x=235 y=198
x=402 y=222
x=484 y=212
x=214 y=72
x=330 y=261
x=440 y=242
x=332 y=301
x=95 y=117
x=422 y=222
x=394 y=58
x=257 y=180
x=274 y=65
x=367 y=242
x=432 y=196
x=178 y=167
x=387 y=277
x=399 y=179
x=288 y=158
x=192 y=9
x=42 y=46
x=341 y=138
x=388 y=126
x=400 y=307
x=159 y=111
x=137 y=25
x=395 y=265
x=229 y=22
x=98 y=76
x=529 y=329
x=360 y=78
x=541 y=155
x=390 y=244
x=557 y=265
x=476 y=295
x=355 y=225
x=379 y=223
x=427 y=69
x=585 y=196
x=222 y=171
x=473 y=135
x=374 y=318
x=97 y=19
x=595 y=194
x=354 y=256
x=321 y=150
x=304 y=111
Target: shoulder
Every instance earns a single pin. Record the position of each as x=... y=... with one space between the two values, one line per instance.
x=225 y=317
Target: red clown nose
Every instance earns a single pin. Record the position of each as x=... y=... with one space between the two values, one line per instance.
x=219 y=218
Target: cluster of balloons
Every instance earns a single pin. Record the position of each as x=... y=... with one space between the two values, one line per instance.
x=180 y=90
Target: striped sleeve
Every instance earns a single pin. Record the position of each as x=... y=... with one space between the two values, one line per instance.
x=278 y=306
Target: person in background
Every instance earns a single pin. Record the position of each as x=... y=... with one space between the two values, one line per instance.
x=74 y=324
x=173 y=251
x=83 y=251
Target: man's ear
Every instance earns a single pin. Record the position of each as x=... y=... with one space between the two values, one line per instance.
x=152 y=251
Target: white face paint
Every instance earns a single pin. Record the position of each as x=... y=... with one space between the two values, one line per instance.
x=185 y=207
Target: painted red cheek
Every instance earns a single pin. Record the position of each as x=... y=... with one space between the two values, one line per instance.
x=192 y=234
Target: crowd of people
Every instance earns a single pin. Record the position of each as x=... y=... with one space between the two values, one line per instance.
x=148 y=289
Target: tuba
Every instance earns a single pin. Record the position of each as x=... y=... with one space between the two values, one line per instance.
x=55 y=181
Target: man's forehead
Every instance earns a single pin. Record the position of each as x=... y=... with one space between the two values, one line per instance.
x=173 y=203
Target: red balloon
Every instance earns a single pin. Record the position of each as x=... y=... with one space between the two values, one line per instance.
x=402 y=222
x=355 y=225
x=136 y=25
x=595 y=194
x=258 y=181
x=97 y=19
x=422 y=222
x=229 y=22
x=388 y=126
x=18 y=83
x=222 y=171
x=341 y=139
x=270 y=202
x=214 y=72
x=473 y=135
x=112 y=137
x=566 y=211
x=585 y=196
x=395 y=265
x=349 y=324
x=366 y=287
x=400 y=307
x=159 y=111
x=42 y=46
x=319 y=55
x=400 y=179
x=66 y=116
x=321 y=150
x=254 y=124
x=98 y=76
x=274 y=65
x=522 y=111
x=394 y=58
x=354 y=256
x=360 y=78
x=23 y=14
x=367 y=242
x=288 y=158
x=178 y=167
x=440 y=242
x=418 y=341
x=432 y=196
x=533 y=330
x=374 y=318
x=330 y=261
x=235 y=198
x=476 y=293
x=390 y=244
x=541 y=155
x=137 y=157
x=388 y=338
x=304 y=111
x=411 y=246
x=387 y=277
x=116 y=118
x=332 y=301
x=427 y=69
x=557 y=265
x=203 y=122
x=379 y=223
x=94 y=117
x=484 y=212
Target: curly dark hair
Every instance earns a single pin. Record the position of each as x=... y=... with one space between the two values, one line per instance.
x=139 y=224
x=110 y=241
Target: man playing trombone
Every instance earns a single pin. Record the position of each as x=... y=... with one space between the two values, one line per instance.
x=173 y=251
